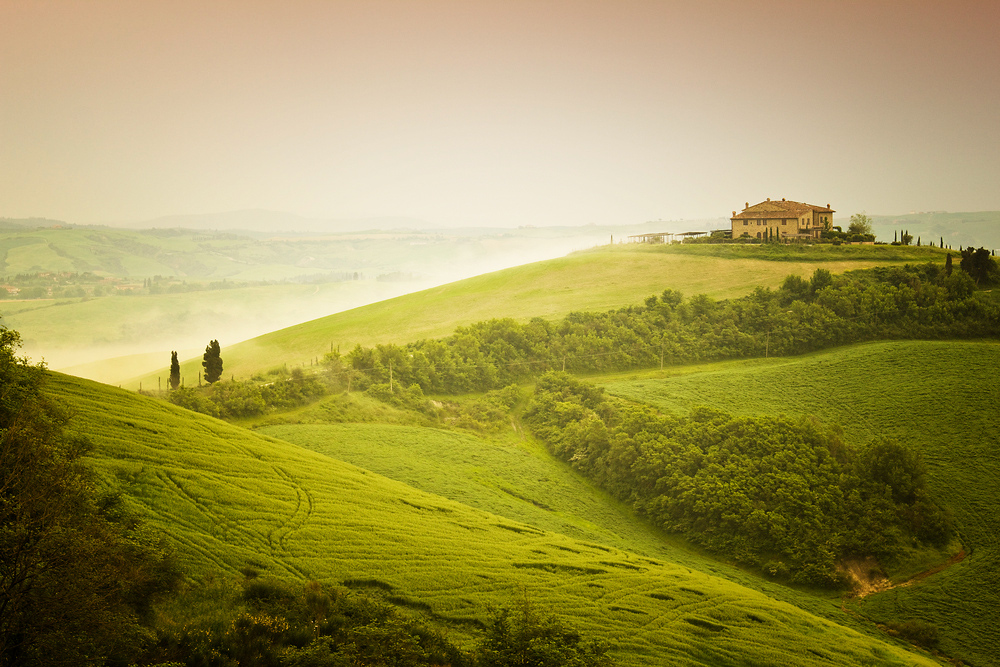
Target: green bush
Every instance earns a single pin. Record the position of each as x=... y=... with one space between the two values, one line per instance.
x=916 y=631
x=525 y=636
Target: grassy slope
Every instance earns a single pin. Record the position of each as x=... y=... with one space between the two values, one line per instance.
x=227 y=497
x=516 y=477
x=600 y=279
x=940 y=398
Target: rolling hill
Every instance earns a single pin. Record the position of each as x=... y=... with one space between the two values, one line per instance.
x=939 y=398
x=226 y=498
x=599 y=279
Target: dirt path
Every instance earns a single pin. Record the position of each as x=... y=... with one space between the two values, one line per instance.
x=957 y=558
x=866 y=578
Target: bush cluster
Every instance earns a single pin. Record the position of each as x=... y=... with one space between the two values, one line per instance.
x=250 y=398
x=785 y=496
x=274 y=623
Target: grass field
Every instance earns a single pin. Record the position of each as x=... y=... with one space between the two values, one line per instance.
x=515 y=477
x=942 y=399
x=600 y=279
x=229 y=498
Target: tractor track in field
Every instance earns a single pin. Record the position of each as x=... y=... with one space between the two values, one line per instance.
x=223 y=523
x=300 y=515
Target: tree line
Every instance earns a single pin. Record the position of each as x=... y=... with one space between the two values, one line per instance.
x=908 y=302
x=788 y=497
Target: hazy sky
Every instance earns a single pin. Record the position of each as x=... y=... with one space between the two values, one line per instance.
x=499 y=113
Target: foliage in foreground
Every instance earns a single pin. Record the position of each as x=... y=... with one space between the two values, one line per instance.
x=788 y=497
x=280 y=624
x=78 y=573
x=874 y=304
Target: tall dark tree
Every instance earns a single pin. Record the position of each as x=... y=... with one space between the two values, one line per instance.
x=212 y=362
x=980 y=265
x=76 y=574
x=947 y=265
x=175 y=371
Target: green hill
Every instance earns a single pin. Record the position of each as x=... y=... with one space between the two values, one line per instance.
x=599 y=279
x=941 y=399
x=227 y=498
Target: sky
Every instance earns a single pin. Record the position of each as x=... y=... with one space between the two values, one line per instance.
x=465 y=113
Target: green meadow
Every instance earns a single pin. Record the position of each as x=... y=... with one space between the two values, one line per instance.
x=452 y=522
x=514 y=476
x=941 y=399
x=228 y=498
x=599 y=279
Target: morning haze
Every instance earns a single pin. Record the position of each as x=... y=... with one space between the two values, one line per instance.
x=481 y=334
x=494 y=114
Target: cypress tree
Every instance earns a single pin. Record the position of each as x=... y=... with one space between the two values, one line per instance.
x=211 y=361
x=175 y=371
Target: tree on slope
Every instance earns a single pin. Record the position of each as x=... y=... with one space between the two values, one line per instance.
x=175 y=371
x=77 y=573
x=212 y=362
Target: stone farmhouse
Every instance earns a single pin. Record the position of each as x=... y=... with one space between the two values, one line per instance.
x=785 y=220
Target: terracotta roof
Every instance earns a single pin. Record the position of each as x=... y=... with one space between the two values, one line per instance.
x=780 y=209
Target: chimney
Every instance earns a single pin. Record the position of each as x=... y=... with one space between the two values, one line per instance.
x=734 y=214
x=768 y=199
x=746 y=206
x=782 y=199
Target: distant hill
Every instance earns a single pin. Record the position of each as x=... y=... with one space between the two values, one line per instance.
x=980 y=229
x=271 y=222
x=18 y=224
x=258 y=220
